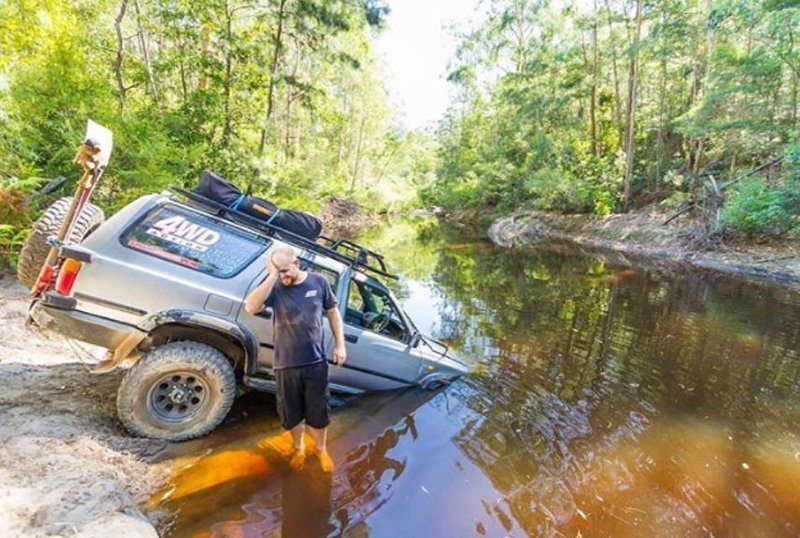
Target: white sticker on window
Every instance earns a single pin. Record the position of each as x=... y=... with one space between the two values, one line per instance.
x=181 y=231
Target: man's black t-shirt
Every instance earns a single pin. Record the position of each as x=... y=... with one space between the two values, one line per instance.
x=297 y=311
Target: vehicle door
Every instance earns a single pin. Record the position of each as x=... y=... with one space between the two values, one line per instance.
x=377 y=340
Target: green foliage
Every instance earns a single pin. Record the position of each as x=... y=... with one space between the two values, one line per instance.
x=14 y=219
x=283 y=97
x=543 y=108
x=756 y=208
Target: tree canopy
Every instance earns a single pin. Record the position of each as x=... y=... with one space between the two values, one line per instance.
x=588 y=106
x=598 y=106
x=284 y=96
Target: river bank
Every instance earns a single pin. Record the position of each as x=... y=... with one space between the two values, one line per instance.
x=643 y=234
x=67 y=466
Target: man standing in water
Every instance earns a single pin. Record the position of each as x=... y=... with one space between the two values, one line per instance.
x=301 y=370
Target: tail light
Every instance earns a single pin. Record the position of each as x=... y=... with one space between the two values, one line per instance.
x=66 y=276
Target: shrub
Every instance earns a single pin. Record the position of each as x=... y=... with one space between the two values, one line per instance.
x=756 y=208
x=14 y=223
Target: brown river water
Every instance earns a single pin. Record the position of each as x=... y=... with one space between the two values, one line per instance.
x=607 y=400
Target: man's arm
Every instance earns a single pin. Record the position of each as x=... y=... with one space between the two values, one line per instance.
x=254 y=303
x=339 y=352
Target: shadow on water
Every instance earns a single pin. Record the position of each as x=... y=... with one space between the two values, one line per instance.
x=610 y=400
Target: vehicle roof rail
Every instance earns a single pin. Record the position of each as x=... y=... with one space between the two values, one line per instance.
x=342 y=250
x=350 y=248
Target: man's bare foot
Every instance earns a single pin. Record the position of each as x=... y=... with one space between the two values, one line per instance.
x=298 y=460
x=325 y=461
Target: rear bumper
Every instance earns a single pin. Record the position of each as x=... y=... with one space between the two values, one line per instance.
x=82 y=326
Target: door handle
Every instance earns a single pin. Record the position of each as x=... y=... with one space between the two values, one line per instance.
x=351 y=338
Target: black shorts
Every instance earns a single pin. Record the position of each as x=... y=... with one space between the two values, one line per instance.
x=302 y=394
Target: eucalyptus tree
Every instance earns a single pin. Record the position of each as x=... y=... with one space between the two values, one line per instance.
x=549 y=119
x=265 y=91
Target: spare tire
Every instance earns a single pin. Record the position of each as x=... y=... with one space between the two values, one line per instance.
x=34 y=251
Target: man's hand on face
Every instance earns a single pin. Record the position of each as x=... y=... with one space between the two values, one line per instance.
x=271 y=269
x=339 y=355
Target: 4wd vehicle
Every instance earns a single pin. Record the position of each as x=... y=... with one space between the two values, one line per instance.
x=161 y=285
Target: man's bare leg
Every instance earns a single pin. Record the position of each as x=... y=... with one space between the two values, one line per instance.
x=320 y=437
x=299 y=456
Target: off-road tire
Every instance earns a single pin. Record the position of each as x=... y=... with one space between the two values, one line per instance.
x=34 y=251
x=194 y=364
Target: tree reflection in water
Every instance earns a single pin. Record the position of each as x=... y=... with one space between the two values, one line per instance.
x=618 y=402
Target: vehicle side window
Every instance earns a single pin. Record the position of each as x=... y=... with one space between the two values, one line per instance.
x=354 y=299
x=373 y=309
x=195 y=241
x=330 y=275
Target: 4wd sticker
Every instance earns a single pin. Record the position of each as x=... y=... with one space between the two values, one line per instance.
x=181 y=231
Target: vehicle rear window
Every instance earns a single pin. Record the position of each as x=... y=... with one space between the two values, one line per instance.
x=195 y=241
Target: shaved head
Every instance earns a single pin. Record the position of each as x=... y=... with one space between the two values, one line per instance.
x=284 y=259
x=283 y=254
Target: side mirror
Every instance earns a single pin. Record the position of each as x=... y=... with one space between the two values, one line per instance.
x=416 y=338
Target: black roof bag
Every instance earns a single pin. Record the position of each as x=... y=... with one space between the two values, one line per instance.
x=223 y=191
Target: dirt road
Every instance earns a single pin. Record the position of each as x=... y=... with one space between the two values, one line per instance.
x=67 y=467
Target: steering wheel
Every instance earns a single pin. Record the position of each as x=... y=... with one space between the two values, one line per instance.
x=376 y=321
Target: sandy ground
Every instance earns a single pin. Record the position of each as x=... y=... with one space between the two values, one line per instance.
x=67 y=466
x=644 y=236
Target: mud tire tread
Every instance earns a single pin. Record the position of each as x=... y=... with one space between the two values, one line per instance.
x=185 y=355
x=34 y=251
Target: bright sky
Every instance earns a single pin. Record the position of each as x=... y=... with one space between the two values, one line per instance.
x=416 y=46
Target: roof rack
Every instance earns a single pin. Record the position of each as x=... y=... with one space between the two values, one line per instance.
x=353 y=250
x=342 y=250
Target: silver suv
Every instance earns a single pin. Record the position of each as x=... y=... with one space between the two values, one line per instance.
x=161 y=285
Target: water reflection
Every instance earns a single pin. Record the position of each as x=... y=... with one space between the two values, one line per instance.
x=623 y=402
x=244 y=487
x=611 y=400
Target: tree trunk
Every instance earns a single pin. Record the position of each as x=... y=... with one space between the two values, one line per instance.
x=287 y=135
x=385 y=164
x=631 y=106
x=205 y=50
x=146 y=54
x=701 y=90
x=794 y=99
x=662 y=100
x=660 y=139
x=521 y=31
x=359 y=146
x=120 y=55
x=273 y=73
x=184 y=87
x=291 y=96
x=794 y=81
x=227 y=131
x=617 y=97
x=593 y=91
